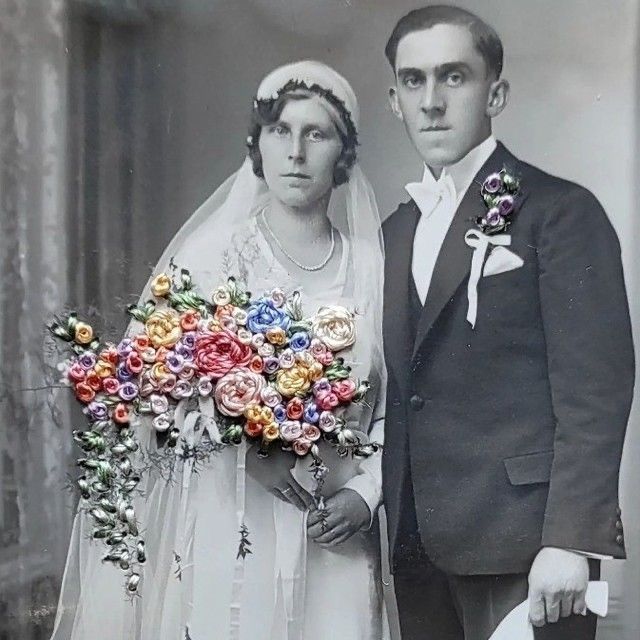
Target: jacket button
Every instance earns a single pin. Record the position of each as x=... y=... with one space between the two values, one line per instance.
x=416 y=402
x=618 y=525
x=620 y=540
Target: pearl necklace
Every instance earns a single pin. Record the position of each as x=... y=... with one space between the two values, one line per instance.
x=304 y=267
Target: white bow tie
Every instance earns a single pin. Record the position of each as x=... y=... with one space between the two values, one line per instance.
x=433 y=192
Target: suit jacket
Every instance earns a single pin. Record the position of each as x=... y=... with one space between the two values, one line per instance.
x=513 y=430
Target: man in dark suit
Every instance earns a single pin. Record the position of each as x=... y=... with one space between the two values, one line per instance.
x=506 y=412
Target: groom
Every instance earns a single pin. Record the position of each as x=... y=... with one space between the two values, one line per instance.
x=506 y=415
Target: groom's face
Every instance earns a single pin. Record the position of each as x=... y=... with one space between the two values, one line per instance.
x=443 y=93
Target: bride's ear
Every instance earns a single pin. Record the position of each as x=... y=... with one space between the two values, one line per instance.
x=395 y=105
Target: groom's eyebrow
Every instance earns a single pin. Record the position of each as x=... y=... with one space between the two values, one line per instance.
x=406 y=72
x=449 y=67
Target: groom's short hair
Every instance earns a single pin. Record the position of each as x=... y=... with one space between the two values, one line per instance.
x=485 y=38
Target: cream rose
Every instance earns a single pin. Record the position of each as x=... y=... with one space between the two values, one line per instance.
x=335 y=326
x=238 y=389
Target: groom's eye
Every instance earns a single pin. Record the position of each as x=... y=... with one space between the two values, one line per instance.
x=412 y=82
x=454 y=79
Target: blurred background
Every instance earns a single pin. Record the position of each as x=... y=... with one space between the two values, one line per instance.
x=118 y=117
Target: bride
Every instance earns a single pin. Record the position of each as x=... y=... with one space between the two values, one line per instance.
x=298 y=215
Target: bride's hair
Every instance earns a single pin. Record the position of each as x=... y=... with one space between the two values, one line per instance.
x=267 y=112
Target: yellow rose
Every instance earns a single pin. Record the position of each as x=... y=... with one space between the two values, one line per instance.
x=293 y=381
x=271 y=432
x=335 y=326
x=315 y=372
x=266 y=415
x=159 y=371
x=83 y=333
x=161 y=285
x=104 y=369
x=163 y=328
x=253 y=413
x=276 y=336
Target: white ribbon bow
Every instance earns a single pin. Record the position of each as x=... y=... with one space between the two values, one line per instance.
x=479 y=242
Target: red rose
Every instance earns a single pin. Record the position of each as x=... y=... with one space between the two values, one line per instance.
x=344 y=389
x=94 y=380
x=216 y=354
x=256 y=365
x=134 y=362
x=253 y=429
x=295 y=409
x=84 y=392
x=141 y=342
x=109 y=355
x=76 y=373
x=189 y=320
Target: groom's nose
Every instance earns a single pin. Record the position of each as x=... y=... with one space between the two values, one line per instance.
x=432 y=102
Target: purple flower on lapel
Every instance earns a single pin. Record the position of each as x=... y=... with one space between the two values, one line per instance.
x=499 y=194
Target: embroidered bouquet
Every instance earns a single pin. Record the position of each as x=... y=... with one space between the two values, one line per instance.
x=273 y=375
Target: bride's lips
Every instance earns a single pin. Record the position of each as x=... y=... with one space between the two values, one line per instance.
x=300 y=176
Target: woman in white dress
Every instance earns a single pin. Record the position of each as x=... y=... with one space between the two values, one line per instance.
x=298 y=215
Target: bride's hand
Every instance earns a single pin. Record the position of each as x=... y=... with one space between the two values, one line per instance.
x=345 y=513
x=273 y=472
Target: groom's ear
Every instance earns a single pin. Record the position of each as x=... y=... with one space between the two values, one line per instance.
x=395 y=105
x=498 y=97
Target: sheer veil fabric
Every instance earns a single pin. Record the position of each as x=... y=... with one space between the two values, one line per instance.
x=193 y=584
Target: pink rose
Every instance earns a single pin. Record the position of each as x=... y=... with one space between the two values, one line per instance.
x=237 y=390
x=218 y=353
x=344 y=389
x=327 y=401
x=76 y=373
x=311 y=432
x=111 y=386
x=301 y=446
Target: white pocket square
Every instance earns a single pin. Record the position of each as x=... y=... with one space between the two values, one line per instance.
x=501 y=260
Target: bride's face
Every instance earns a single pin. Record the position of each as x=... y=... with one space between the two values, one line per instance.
x=299 y=153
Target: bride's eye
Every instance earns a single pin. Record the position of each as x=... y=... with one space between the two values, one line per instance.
x=315 y=135
x=279 y=130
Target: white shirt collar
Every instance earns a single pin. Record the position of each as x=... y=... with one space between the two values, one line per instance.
x=456 y=177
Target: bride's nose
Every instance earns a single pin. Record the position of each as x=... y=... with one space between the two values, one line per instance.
x=297 y=150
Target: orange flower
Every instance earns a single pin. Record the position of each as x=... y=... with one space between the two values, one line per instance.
x=222 y=311
x=271 y=432
x=253 y=429
x=141 y=342
x=121 y=413
x=189 y=320
x=94 y=380
x=84 y=392
x=256 y=365
x=253 y=412
x=276 y=335
x=83 y=333
x=109 y=355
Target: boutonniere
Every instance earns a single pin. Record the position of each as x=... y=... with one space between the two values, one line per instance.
x=499 y=193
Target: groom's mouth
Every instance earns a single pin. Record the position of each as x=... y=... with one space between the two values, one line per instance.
x=435 y=128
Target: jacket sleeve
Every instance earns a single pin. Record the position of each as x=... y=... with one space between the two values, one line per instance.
x=591 y=372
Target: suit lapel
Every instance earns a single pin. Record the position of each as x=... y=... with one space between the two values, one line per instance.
x=454 y=259
x=398 y=250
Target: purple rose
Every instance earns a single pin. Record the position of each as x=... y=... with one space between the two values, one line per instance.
x=493 y=183
x=128 y=391
x=321 y=388
x=311 y=413
x=299 y=341
x=125 y=347
x=506 y=205
x=87 y=360
x=263 y=315
x=174 y=362
x=185 y=352
x=189 y=339
x=98 y=410
x=271 y=365
x=493 y=217
x=123 y=374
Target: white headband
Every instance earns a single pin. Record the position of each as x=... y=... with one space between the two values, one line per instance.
x=311 y=72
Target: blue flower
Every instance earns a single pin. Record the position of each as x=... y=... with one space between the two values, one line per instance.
x=311 y=414
x=263 y=315
x=299 y=341
x=280 y=413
